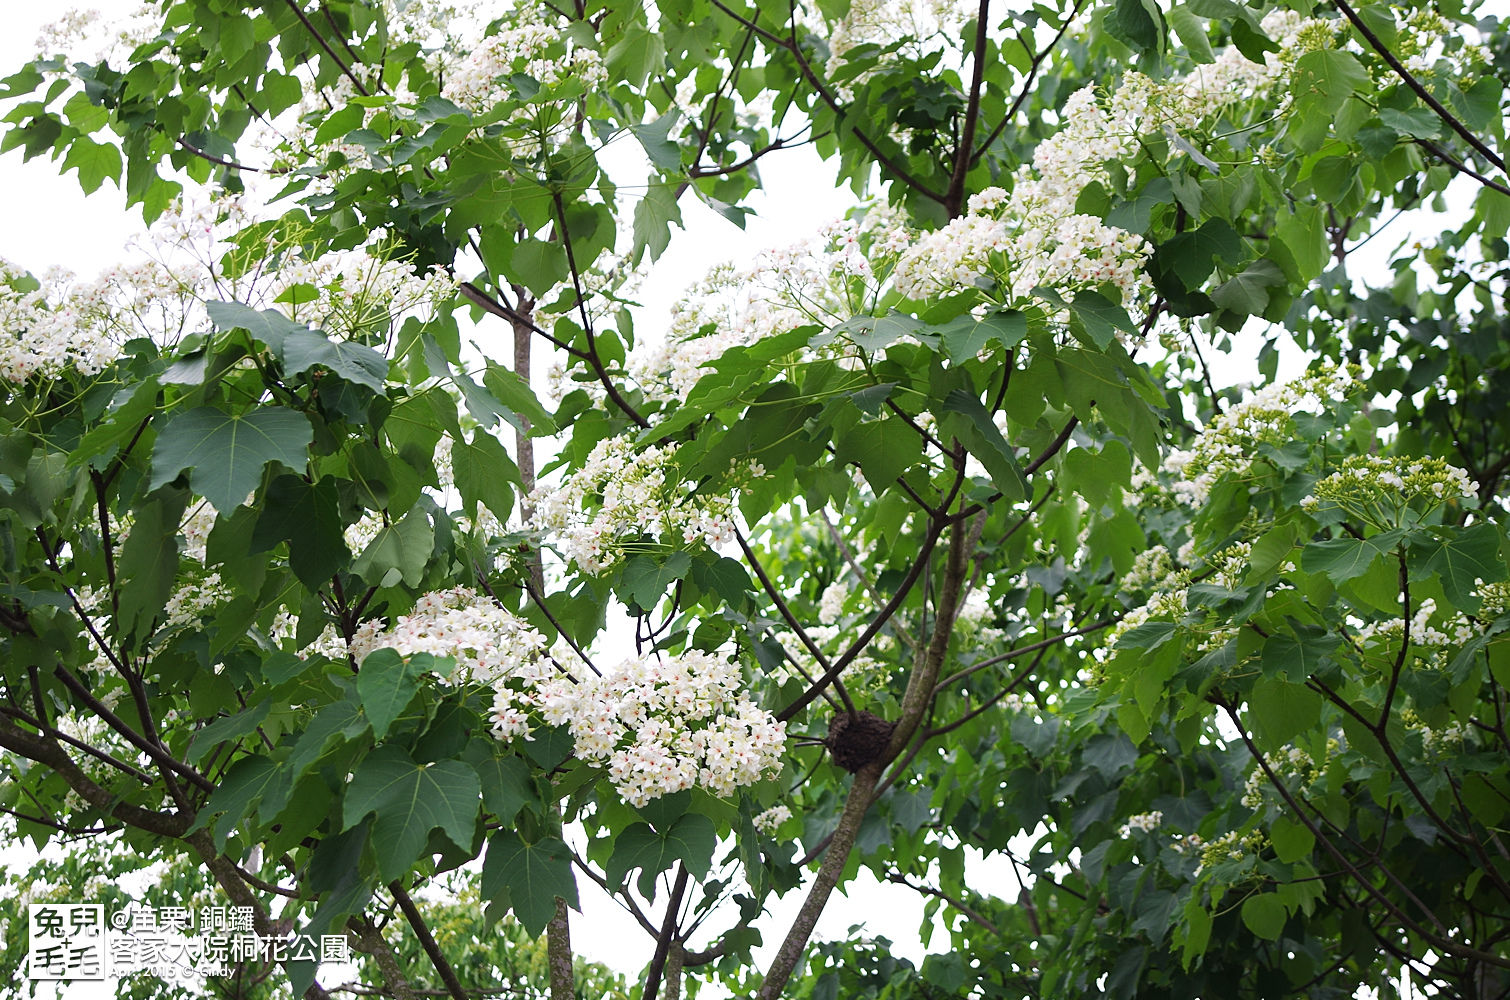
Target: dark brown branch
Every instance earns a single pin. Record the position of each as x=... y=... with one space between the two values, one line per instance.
x=340 y=63
x=1460 y=166
x=593 y=358
x=954 y=198
x=427 y=941
x=665 y=938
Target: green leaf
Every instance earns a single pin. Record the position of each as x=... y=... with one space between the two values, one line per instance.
x=225 y=453
x=1296 y=657
x=506 y=786
x=875 y=333
x=398 y=552
x=148 y=563
x=1139 y=23
x=1192 y=34
x=410 y=800
x=1292 y=841
x=1280 y=711
x=485 y=474
x=342 y=718
x=386 y=685
x=534 y=875
x=308 y=517
x=269 y=326
x=1342 y=559
x=1264 y=914
x=1323 y=81
x=985 y=442
x=304 y=349
x=1303 y=233
x=516 y=394
x=235 y=794
x=1459 y=557
x=656 y=138
x=1247 y=293
x=1197 y=931
x=647 y=579
x=1193 y=255
x=964 y=337
x=654 y=216
x=883 y=449
x=96 y=162
x=226 y=729
x=691 y=840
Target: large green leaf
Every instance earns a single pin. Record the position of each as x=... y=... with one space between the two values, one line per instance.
x=409 y=800
x=386 y=685
x=1343 y=559
x=485 y=474
x=533 y=875
x=1460 y=557
x=148 y=563
x=966 y=418
x=965 y=336
x=691 y=840
x=304 y=349
x=235 y=794
x=268 y=325
x=1280 y=711
x=307 y=516
x=506 y=785
x=225 y=453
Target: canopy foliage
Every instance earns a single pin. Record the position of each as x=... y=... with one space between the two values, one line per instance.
x=364 y=556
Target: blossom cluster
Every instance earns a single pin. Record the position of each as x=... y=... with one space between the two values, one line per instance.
x=1141 y=823
x=1454 y=631
x=529 y=46
x=1388 y=493
x=1229 y=445
x=658 y=725
x=1292 y=763
x=49 y=327
x=1234 y=845
x=485 y=639
x=664 y=724
x=1020 y=249
x=621 y=497
x=769 y=821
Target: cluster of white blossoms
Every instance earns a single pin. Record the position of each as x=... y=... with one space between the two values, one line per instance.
x=1390 y=492
x=1449 y=739
x=46 y=327
x=658 y=725
x=1494 y=598
x=770 y=821
x=621 y=497
x=488 y=642
x=1141 y=823
x=840 y=272
x=531 y=43
x=1152 y=569
x=1453 y=631
x=1293 y=763
x=1022 y=248
x=1433 y=47
x=1229 y=445
x=664 y=724
x=530 y=46
x=1235 y=845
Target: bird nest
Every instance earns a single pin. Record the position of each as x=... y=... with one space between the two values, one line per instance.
x=856 y=740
